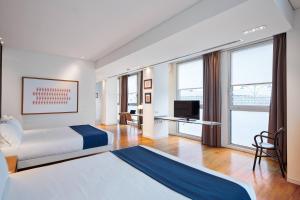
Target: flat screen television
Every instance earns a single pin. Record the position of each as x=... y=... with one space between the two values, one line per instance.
x=187 y=109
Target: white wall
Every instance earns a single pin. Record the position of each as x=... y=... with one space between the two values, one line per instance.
x=161 y=82
x=156 y=129
x=148 y=109
x=98 y=101
x=293 y=106
x=225 y=112
x=18 y=63
x=109 y=101
x=172 y=96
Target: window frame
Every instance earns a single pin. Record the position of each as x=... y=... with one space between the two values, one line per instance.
x=132 y=104
x=178 y=95
x=186 y=135
x=177 y=77
x=246 y=108
x=258 y=108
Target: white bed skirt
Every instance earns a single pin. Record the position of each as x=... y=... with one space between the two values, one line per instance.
x=22 y=164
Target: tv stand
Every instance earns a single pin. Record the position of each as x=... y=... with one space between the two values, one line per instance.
x=192 y=121
x=161 y=125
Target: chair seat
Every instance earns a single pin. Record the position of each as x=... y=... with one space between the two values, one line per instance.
x=132 y=122
x=264 y=145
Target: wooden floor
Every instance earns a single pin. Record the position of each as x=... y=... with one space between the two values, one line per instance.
x=266 y=180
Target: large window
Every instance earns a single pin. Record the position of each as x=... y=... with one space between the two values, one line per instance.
x=190 y=87
x=118 y=98
x=132 y=92
x=251 y=84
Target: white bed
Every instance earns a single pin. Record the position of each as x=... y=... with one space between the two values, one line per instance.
x=41 y=146
x=103 y=176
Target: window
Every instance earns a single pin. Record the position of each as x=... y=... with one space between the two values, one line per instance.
x=118 y=98
x=190 y=87
x=132 y=92
x=251 y=84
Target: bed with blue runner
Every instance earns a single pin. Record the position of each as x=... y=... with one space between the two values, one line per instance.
x=183 y=179
x=92 y=137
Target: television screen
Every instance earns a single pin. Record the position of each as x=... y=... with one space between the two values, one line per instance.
x=187 y=109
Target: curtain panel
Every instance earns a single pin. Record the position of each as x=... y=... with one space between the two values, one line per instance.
x=1 y=79
x=277 y=114
x=141 y=85
x=211 y=136
x=124 y=93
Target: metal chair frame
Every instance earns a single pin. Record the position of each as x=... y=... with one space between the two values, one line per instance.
x=260 y=148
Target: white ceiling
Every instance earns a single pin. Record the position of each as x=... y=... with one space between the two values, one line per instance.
x=295 y=3
x=76 y=28
x=224 y=27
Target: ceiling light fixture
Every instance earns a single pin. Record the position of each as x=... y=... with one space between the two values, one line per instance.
x=259 y=28
x=1 y=40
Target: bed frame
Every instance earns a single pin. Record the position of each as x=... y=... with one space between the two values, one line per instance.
x=36 y=162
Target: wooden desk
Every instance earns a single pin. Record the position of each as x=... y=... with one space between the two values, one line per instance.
x=11 y=163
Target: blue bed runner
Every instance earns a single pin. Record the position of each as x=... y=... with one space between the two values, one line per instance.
x=183 y=179
x=92 y=137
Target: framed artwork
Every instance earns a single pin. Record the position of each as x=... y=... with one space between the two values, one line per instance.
x=148 y=98
x=148 y=84
x=49 y=96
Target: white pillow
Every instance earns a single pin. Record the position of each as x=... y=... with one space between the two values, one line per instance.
x=3 y=142
x=3 y=174
x=13 y=121
x=11 y=133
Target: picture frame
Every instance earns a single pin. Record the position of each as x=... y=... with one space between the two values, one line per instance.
x=49 y=96
x=148 y=84
x=148 y=98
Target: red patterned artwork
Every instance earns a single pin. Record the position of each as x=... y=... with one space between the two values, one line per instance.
x=51 y=96
x=47 y=96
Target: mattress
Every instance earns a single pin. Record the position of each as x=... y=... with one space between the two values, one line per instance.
x=103 y=176
x=45 y=142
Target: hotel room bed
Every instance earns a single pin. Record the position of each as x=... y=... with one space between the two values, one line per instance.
x=107 y=176
x=41 y=146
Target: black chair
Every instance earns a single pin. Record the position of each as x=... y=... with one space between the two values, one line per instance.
x=271 y=149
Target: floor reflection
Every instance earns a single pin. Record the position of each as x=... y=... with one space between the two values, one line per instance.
x=266 y=179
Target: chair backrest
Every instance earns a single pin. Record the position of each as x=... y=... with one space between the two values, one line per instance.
x=128 y=117
x=278 y=135
x=123 y=117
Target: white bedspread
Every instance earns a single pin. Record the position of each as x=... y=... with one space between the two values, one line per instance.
x=45 y=142
x=103 y=176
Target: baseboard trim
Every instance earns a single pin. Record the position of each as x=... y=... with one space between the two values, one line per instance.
x=154 y=137
x=293 y=181
x=246 y=150
x=187 y=136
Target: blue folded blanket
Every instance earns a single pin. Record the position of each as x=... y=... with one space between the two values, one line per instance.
x=92 y=137
x=183 y=179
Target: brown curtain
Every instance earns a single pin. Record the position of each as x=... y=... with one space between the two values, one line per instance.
x=0 y=79
x=124 y=93
x=141 y=88
x=277 y=116
x=211 y=99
